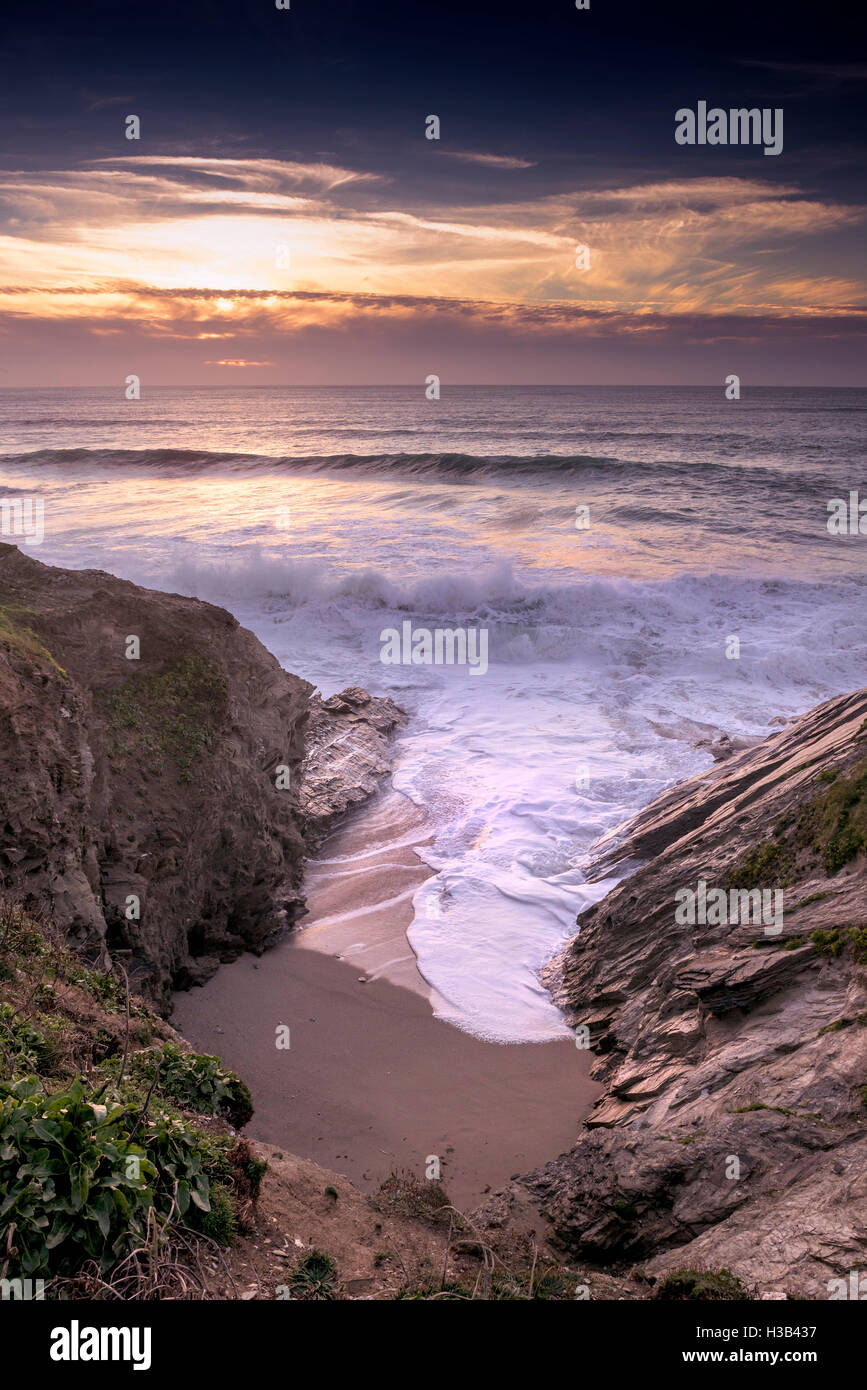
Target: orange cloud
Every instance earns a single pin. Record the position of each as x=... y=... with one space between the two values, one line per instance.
x=284 y=244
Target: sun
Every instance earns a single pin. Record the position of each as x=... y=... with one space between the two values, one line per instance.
x=225 y=306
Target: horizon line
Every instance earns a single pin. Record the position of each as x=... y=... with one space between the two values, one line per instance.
x=452 y=386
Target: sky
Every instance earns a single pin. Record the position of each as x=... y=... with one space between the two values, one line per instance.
x=284 y=219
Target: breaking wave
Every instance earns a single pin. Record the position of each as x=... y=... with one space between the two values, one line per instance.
x=452 y=467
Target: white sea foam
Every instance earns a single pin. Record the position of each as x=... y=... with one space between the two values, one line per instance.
x=607 y=675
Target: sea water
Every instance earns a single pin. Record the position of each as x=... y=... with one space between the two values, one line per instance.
x=611 y=541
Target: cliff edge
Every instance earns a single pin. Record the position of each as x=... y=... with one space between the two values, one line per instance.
x=158 y=794
x=723 y=989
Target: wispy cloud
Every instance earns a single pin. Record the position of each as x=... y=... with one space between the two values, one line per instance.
x=100 y=102
x=287 y=240
x=493 y=161
x=184 y=308
x=252 y=173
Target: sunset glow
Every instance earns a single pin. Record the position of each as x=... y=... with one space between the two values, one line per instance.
x=361 y=265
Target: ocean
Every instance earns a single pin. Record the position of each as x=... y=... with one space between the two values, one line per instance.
x=650 y=565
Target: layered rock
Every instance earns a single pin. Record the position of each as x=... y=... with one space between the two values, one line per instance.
x=733 y=1127
x=348 y=739
x=152 y=794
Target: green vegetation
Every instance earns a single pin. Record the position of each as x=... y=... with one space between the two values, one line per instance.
x=829 y=943
x=101 y=1156
x=860 y=1020
x=417 y=1198
x=36 y=1033
x=21 y=639
x=253 y=1169
x=79 y=1179
x=313 y=1277
x=220 y=1222
x=835 y=825
x=833 y=943
x=491 y=1267
x=194 y=1081
x=832 y=828
x=167 y=720
x=108 y=990
x=791 y=943
x=625 y=1210
x=24 y=1047
x=770 y=863
x=717 y=1286
x=813 y=898
x=858 y=938
x=553 y=1284
x=778 y=1109
x=449 y=1292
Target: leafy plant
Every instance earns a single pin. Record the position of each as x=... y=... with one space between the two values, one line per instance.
x=78 y=1179
x=314 y=1277
x=26 y=1049
x=69 y=1192
x=221 y=1222
x=194 y=1081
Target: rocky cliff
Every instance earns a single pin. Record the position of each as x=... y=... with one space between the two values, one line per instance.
x=152 y=749
x=731 y=1040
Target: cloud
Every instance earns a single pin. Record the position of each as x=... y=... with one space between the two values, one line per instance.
x=94 y=102
x=309 y=338
x=186 y=308
x=313 y=238
x=493 y=161
x=251 y=173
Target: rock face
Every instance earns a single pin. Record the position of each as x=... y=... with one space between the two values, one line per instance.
x=348 y=753
x=154 y=804
x=733 y=1049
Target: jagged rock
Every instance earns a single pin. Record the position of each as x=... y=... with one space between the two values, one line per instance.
x=348 y=753
x=733 y=1128
x=739 y=979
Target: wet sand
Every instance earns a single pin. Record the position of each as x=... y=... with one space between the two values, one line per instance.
x=360 y=889
x=372 y=1081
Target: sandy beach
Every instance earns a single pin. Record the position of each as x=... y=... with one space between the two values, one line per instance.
x=372 y=1080
x=360 y=889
